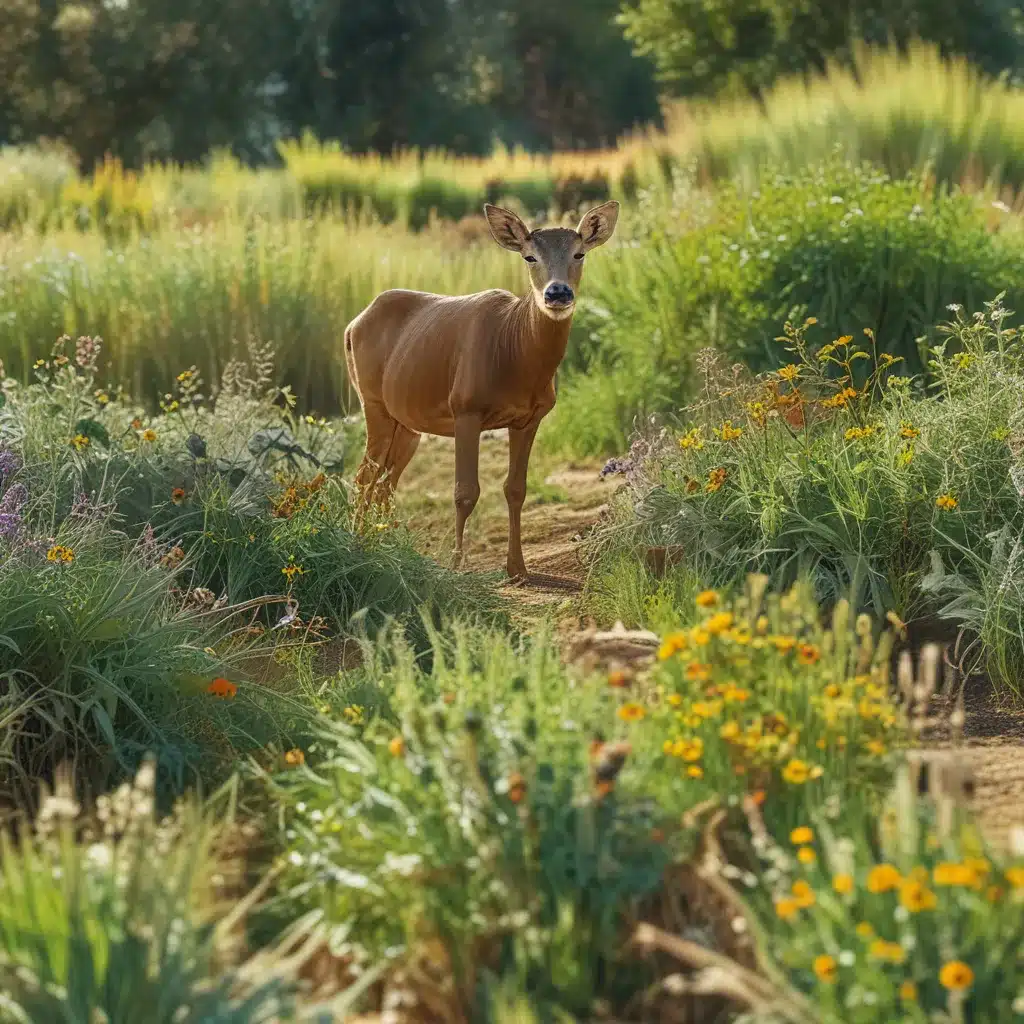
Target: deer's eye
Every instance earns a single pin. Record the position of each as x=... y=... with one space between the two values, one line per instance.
x=579 y=255
x=530 y=259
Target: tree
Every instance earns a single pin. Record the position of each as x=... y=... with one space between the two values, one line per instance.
x=136 y=78
x=705 y=46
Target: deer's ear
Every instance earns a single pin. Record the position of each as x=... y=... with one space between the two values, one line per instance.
x=507 y=228
x=598 y=225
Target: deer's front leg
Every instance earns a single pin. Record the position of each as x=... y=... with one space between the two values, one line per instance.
x=467 y=475
x=520 y=444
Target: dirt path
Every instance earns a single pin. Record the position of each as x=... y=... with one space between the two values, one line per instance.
x=565 y=500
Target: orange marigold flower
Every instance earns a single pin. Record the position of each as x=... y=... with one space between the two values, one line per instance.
x=843 y=884
x=716 y=478
x=631 y=712
x=295 y=757
x=707 y=599
x=916 y=896
x=807 y=654
x=954 y=874
x=908 y=991
x=149 y=434
x=1015 y=876
x=946 y=502
x=883 y=878
x=785 y=909
x=800 y=836
x=826 y=968
x=803 y=894
x=956 y=976
x=222 y=688
x=806 y=855
x=796 y=772
x=178 y=495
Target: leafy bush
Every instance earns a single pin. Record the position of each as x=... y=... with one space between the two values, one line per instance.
x=153 y=566
x=500 y=816
x=809 y=469
x=843 y=244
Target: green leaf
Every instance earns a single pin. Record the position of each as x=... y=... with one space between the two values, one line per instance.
x=94 y=431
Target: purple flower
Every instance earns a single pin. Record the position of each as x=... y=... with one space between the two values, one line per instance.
x=615 y=466
x=10 y=463
x=10 y=511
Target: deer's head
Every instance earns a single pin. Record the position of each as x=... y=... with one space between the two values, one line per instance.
x=555 y=255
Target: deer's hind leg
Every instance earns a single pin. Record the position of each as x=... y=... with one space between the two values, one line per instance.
x=389 y=449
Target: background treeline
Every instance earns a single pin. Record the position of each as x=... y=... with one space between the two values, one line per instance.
x=145 y=80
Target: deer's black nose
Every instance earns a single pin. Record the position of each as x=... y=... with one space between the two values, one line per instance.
x=558 y=294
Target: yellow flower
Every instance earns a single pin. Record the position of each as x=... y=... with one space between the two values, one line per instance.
x=905 y=455
x=295 y=757
x=729 y=731
x=825 y=967
x=803 y=894
x=859 y=433
x=946 y=502
x=916 y=896
x=908 y=991
x=698 y=672
x=715 y=480
x=292 y=570
x=149 y=434
x=909 y=431
x=891 y=951
x=692 y=439
x=956 y=976
x=707 y=709
x=672 y=644
x=719 y=623
x=79 y=441
x=727 y=432
x=785 y=909
x=883 y=878
x=695 y=771
x=789 y=372
x=689 y=750
x=843 y=884
x=397 y=746
x=806 y=855
x=784 y=644
x=807 y=654
x=1015 y=876
x=59 y=553
x=947 y=873
x=674 y=699
x=796 y=772
x=865 y=931
x=699 y=637
x=876 y=747
x=800 y=836
x=631 y=712
x=707 y=599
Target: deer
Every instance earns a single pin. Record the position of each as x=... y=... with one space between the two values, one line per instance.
x=455 y=366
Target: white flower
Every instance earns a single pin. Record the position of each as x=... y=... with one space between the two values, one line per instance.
x=847 y=958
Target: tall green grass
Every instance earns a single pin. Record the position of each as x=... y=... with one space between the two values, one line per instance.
x=173 y=299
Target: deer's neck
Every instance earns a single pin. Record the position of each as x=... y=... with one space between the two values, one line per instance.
x=537 y=343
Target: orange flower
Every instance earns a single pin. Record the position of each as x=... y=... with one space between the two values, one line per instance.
x=631 y=712
x=955 y=874
x=800 y=836
x=222 y=688
x=806 y=855
x=178 y=495
x=707 y=599
x=397 y=746
x=825 y=967
x=807 y=654
x=785 y=909
x=891 y=951
x=908 y=991
x=916 y=897
x=843 y=884
x=803 y=894
x=956 y=976
x=516 y=788
x=883 y=878
x=295 y=757
x=618 y=679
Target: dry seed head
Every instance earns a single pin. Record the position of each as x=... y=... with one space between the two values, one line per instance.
x=841 y=617
x=862 y=627
x=905 y=677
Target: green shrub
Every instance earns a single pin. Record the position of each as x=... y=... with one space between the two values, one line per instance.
x=143 y=560
x=843 y=244
x=519 y=816
x=807 y=471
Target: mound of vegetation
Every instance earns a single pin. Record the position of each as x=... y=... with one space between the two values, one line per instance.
x=842 y=243
x=905 y=499
x=164 y=578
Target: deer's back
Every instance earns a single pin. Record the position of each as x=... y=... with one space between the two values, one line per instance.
x=410 y=347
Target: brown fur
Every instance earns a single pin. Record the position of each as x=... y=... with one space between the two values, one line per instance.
x=458 y=365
